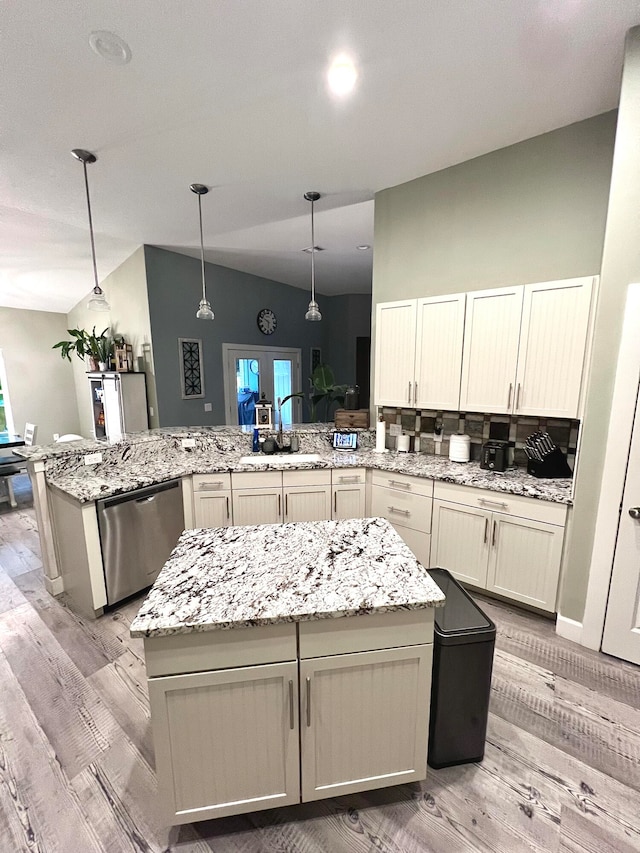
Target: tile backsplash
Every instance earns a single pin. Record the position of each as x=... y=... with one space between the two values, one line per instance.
x=421 y=424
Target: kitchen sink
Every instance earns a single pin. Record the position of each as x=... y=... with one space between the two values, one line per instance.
x=279 y=459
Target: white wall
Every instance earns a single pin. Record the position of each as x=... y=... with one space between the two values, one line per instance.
x=40 y=383
x=126 y=291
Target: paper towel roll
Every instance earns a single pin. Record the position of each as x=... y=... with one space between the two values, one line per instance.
x=380 y=437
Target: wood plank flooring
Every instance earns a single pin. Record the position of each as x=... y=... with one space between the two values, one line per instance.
x=561 y=770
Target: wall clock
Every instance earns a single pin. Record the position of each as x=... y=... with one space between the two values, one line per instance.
x=267 y=321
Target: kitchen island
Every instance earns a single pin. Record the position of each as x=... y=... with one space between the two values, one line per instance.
x=287 y=663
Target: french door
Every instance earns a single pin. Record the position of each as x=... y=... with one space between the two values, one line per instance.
x=250 y=371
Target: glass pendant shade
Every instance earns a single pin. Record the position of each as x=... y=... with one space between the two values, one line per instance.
x=204 y=311
x=313 y=312
x=97 y=300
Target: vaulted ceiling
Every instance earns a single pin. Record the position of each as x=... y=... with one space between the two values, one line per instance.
x=233 y=94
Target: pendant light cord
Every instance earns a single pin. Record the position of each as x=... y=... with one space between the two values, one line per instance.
x=96 y=288
x=204 y=292
x=313 y=257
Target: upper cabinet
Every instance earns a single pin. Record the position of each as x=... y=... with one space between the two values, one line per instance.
x=419 y=352
x=512 y=350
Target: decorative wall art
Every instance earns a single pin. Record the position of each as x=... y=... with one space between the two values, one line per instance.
x=316 y=357
x=191 y=368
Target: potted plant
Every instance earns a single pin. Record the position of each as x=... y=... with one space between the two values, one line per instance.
x=323 y=387
x=97 y=348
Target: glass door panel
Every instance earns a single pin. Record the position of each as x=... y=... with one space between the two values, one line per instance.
x=247 y=389
x=282 y=387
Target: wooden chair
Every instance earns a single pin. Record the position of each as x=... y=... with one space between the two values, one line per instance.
x=13 y=464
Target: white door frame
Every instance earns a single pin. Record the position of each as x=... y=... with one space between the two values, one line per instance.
x=613 y=478
x=230 y=398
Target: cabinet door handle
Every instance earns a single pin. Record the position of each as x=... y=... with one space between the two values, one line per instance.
x=335 y=502
x=518 y=397
x=399 y=483
x=399 y=511
x=509 y=397
x=486 y=501
x=486 y=529
x=353 y=479
x=279 y=506
x=308 y=701
x=291 y=720
x=409 y=394
x=228 y=515
x=493 y=538
x=210 y=487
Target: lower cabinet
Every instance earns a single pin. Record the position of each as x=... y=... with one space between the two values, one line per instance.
x=212 y=500
x=407 y=503
x=348 y=487
x=257 y=497
x=258 y=736
x=307 y=495
x=509 y=545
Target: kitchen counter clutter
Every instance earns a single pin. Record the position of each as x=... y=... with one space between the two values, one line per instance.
x=318 y=686
x=266 y=574
x=147 y=458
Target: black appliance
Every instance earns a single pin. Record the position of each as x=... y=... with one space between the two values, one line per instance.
x=494 y=455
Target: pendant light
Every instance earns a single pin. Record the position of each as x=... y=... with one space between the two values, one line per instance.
x=98 y=301
x=204 y=312
x=313 y=312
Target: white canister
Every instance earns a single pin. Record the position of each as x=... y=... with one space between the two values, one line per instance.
x=459 y=448
x=402 y=445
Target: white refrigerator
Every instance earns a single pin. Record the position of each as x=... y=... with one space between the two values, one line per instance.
x=119 y=404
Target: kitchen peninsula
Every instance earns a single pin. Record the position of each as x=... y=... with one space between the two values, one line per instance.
x=287 y=663
x=512 y=524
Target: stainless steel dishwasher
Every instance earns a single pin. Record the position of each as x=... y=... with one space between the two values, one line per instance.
x=138 y=531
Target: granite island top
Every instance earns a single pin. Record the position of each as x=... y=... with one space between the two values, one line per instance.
x=238 y=577
x=147 y=458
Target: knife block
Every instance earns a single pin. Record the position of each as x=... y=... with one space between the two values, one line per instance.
x=553 y=465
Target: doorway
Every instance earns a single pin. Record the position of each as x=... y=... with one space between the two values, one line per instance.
x=250 y=371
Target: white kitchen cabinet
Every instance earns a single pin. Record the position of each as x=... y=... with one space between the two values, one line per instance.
x=242 y=720
x=257 y=497
x=419 y=352
x=552 y=351
x=407 y=503
x=212 y=500
x=507 y=544
x=348 y=493
x=525 y=348
x=395 y=352
x=490 y=353
x=460 y=541
x=224 y=711
x=307 y=503
x=365 y=720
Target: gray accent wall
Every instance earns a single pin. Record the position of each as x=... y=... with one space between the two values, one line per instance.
x=174 y=290
x=535 y=211
x=345 y=319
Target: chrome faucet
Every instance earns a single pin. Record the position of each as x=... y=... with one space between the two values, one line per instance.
x=280 y=440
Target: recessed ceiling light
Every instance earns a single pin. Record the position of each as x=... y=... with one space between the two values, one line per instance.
x=363 y=247
x=342 y=75
x=308 y=249
x=110 y=47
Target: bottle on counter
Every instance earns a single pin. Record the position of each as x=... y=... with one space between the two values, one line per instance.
x=256 y=440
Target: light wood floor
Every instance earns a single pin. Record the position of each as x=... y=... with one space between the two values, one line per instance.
x=561 y=770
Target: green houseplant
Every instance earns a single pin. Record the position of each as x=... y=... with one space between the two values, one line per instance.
x=97 y=347
x=323 y=387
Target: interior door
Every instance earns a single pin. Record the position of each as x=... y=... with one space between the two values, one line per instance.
x=622 y=623
x=253 y=371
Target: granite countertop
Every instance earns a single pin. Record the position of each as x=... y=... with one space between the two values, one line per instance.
x=154 y=456
x=238 y=577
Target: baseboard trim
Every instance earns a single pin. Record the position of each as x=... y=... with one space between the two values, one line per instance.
x=55 y=586
x=569 y=629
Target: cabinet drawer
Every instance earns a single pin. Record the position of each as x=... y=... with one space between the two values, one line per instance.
x=538 y=510
x=320 y=637
x=405 y=510
x=348 y=476
x=316 y=477
x=403 y=482
x=211 y=482
x=256 y=480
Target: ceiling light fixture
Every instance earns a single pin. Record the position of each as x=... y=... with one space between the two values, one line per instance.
x=98 y=301
x=342 y=75
x=363 y=247
x=110 y=47
x=204 y=312
x=313 y=312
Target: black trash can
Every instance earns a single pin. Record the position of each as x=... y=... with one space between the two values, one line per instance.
x=464 y=640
